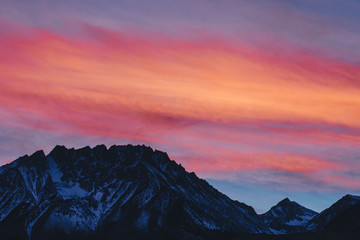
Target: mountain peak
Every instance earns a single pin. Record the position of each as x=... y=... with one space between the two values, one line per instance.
x=39 y=153
x=319 y=222
x=351 y=197
x=125 y=189
x=120 y=190
x=59 y=148
x=287 y=217
x=285 y=201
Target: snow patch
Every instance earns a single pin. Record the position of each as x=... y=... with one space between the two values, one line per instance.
x=31 y=223
x=296 y=222
x=304 y=220
x=30 y=183
x=98 y=196
x=54 y=171
x=274 y=231
x=71 y=190
x=308 y=217
x=143 y=220
x=210 y=225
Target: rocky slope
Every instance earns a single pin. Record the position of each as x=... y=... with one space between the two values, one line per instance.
x=134 y=192
x=121 y=191
x=288 y=217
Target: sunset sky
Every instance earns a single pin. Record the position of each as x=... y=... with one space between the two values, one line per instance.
x=261 y=98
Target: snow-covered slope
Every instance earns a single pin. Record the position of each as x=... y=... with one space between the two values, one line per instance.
x=115 y=191
x=287 y=217
x=321 y=221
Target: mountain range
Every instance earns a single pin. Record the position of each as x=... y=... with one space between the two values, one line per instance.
x=135 y=192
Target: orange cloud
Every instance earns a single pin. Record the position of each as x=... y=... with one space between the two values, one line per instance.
x=227 y=160
x=211 y=83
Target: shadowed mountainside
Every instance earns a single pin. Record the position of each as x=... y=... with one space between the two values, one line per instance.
x=134 y=192
x=120 y=191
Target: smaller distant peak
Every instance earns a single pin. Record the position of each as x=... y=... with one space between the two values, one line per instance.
x=101 y=146
x=130 y=146
x=284 y=201
x=84 y=151
x=59 y=147
x=143 y=146
x=86 y=148
x=58 y=150
x=39 y=153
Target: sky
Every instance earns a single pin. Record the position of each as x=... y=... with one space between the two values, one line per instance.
x=261 y=98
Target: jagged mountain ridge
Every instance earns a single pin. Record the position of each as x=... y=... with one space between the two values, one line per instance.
x=136 y=193
x=287 y=217
x=120 y=190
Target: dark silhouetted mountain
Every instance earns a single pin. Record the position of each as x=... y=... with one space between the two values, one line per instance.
x=287 y=217
x=347 y=222
x=124 y=192
x=319 y=222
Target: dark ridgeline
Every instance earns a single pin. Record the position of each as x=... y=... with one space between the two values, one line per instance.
x=133 y=192
x=128 y=191
x=321 y=221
